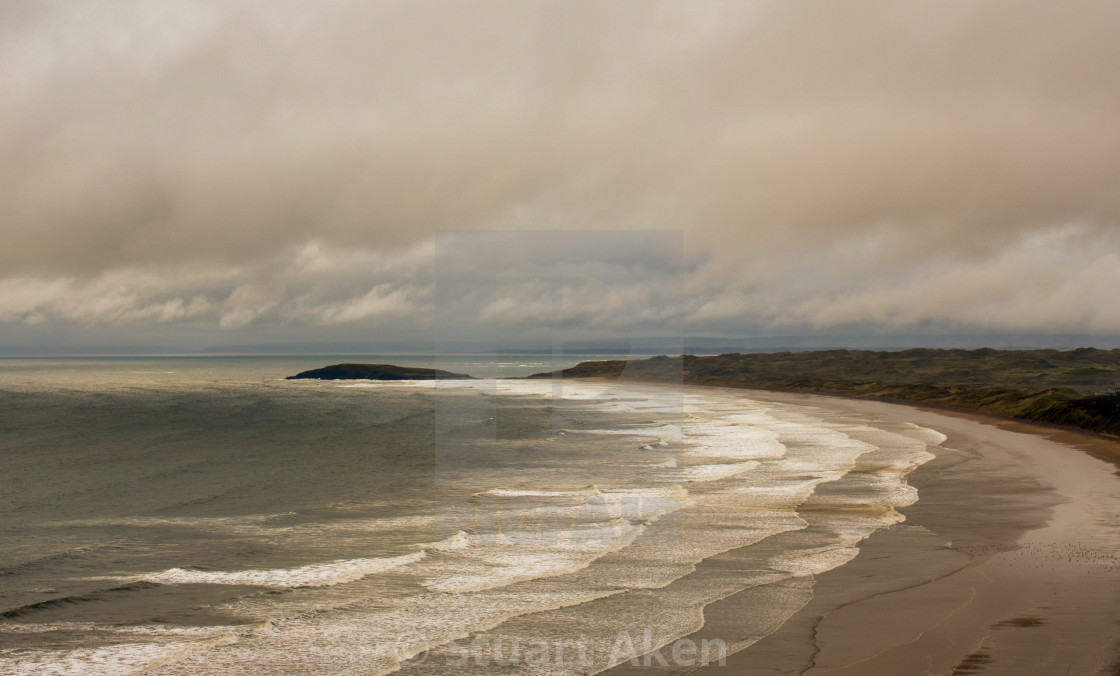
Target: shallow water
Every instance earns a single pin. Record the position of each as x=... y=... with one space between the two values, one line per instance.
x=207 y=516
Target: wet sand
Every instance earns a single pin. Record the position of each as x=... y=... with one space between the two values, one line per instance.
x=1009 y=563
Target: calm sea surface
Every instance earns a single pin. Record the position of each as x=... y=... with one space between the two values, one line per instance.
x=193 y=516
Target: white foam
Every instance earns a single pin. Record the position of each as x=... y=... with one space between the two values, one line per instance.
x=929 y=436
x=507 y=570
x=459 y=540
x=580 y=527
x=491 y=563
x=137 y=629
x=315 y=575
x=165 y=647
x=702 y=473
x=677 y=493
x=193 y=521
x=814 y=561
x=533 y=493
x=739 y=441
x=272 y=526
x=665 y=434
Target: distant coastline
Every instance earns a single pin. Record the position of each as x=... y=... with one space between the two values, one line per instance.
x=1075 y=388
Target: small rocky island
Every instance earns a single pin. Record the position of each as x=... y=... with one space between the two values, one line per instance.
x=378 y=372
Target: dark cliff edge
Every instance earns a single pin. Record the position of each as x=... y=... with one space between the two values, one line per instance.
x=1075 y=388
x=377 y=372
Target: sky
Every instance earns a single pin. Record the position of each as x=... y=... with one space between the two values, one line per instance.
x=220 y=173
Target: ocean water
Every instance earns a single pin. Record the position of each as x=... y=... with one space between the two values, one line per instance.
x=194 y=516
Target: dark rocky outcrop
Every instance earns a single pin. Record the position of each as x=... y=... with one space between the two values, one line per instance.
x=378 y=372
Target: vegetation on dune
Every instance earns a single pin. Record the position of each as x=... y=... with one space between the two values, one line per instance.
x=1077 y=388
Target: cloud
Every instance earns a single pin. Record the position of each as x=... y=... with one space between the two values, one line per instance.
x=119 y=297
x=572 y=284
x=1056 y=280
x=302 y=285
x=892 y=163
x=382 y=299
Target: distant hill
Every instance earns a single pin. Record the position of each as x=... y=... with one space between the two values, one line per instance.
x=377 y=372
x=1075 y=387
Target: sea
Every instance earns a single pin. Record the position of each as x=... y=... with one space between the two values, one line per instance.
x=203 y=515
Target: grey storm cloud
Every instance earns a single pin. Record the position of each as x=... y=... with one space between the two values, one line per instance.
x=878 y=163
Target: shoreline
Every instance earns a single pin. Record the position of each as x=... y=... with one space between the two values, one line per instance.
x=1070 y=435
x=1006 y=564
x=1038 y=426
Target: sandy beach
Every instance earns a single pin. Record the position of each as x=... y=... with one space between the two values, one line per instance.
x=1009 y=563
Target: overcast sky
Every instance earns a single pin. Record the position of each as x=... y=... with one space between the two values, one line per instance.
x=209 y=172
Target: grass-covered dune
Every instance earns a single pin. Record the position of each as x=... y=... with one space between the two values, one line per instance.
x=1077 y=388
